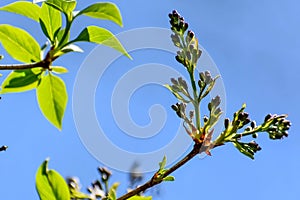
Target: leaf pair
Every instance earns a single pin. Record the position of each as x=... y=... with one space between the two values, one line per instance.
x=50 y=185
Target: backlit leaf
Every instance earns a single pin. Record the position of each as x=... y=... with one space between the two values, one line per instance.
x=20 y=81
x=101 y=36
x=24 y=8
x=19 y=44
x=50 y=185
x=52 y=98
x=65 y=6
x=50 y=21
x=106 y=11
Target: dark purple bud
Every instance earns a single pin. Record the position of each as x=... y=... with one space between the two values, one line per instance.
x=268 y=117
x=226 y=123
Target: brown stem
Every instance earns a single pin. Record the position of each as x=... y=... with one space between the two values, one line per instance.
x=23 y=66
x=196 y=150
x=43 y=63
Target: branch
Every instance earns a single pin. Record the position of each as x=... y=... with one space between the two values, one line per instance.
x=153 y=181
x=42 y=64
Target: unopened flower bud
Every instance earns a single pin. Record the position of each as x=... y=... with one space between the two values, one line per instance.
x=268 y=117
x=226 y=123
x=253 y=124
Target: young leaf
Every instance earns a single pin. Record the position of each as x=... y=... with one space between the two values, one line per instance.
x=19 y=44
x=101 y=36
x=112 y=191
x=162 y=164
x=140 y=198
x=176 y=94
x=50 y=185
x=106 y=11
x=78 y=195
x=20 y=81
x=59 y=69
x=169 y=178
x=24 y=8
x=52 y=98
x=50 y=21
x=59 y=36
x=65 y=6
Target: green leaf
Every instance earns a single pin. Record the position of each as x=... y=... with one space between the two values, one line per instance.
x=101 y=36
x=140 y=198
x=75 y=194
x=243 y=150
x=50 y=21
x=65 y=6
x=162 y=164
x=169 y=178
x=52 y=98
x=106 y=11
x=24 y=8
x=60 y=34
x=59 y=69
x=21 y=80
x=50 y=185
x=112 y=191
x=249 y=149
x=69 y=48
x=19 y=44
x=176 y=94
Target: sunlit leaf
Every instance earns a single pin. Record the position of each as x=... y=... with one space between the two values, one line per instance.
x=162 y=164
x=106 y=11
x=24 y=8
x=59 y=36
x=50 y=21
x=20 y=81
x=169 y=178
x=50 y=185
x=52 y=98
x=59 y=69
x=65 y=6
x=101 y=36
x=19 y=44
x=112 y=191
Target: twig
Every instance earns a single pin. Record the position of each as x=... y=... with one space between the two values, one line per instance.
x=153 y=181
x=21 y=66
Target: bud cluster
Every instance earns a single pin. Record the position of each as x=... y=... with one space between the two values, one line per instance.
x=214 y=114
x=276 y=125
x=179 y=108
x=189 y=52
x=249 y=149
x=206 y=83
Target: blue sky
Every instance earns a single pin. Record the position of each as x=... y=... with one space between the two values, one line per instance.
x=255 y=45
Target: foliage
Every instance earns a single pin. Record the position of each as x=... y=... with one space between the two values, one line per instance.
x=37 y=72
x=50 y=184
